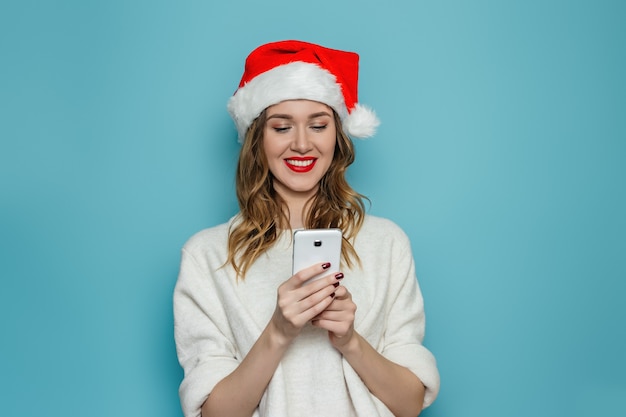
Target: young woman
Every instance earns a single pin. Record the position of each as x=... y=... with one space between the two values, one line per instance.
x=253 y=339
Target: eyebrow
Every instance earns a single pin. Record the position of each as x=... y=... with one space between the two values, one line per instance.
x=290 y=117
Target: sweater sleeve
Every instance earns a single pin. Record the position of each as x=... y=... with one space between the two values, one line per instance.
x=203 y=342
x=405 y=328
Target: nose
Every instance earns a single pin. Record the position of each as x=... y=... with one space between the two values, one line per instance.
x=301 y=142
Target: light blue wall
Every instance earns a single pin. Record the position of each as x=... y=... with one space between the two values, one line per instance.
x=501 y=154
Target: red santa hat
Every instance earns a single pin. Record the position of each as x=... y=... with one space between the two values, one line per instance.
x=291 y=70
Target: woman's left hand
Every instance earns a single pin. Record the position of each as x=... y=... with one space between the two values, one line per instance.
x=338 y=319
x=397 y=387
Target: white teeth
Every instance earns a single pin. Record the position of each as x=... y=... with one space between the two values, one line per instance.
x=300 y=163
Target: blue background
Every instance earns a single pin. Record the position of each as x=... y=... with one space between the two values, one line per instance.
x=501 y=154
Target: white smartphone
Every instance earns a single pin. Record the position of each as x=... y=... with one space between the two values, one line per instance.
x=311 y=246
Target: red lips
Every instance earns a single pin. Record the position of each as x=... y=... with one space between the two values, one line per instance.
x=300 y=164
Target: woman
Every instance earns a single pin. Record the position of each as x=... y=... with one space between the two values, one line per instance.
x=254 y=340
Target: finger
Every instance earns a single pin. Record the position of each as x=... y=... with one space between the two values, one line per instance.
x=312 y=306
x=300 y=311
x=342 y=293
x=338 y=328
x=328 y=281
x=331 y=315
x=344 y=315
x=325 y=294
x=298 y=300
x=345 y=308
x=340 y=305
x=306 y=274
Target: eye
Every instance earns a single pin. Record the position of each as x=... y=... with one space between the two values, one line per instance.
x=319 y=128
x=281 y=129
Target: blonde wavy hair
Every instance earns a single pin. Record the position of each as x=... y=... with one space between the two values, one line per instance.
x=262 y=210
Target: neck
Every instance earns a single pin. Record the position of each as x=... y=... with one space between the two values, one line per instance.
x=296 y=212
x=297 y=204
x=296 y=209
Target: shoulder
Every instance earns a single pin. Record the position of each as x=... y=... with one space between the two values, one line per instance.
x=381 y=227
x=378 y=235
x=205 y=239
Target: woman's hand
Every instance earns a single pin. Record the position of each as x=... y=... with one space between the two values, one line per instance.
x=298 y=303
x=239 y=393
x=397 y=387
x=338 y=319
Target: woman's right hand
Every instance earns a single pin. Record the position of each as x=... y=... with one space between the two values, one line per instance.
x=298 y=302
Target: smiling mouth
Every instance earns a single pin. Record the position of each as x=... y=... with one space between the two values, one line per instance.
x=300 y=165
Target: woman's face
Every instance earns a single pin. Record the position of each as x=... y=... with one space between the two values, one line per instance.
x=299 y=142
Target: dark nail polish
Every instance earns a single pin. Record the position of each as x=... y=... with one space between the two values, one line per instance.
x=332 y=295
x=339 y=275
x=326 y=265
x=336 y=284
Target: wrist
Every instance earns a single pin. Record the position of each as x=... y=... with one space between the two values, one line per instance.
x=276 y=338
x=352 y=347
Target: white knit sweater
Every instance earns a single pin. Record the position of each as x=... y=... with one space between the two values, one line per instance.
x=217 y=320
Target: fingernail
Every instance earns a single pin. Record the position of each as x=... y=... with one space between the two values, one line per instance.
x=336 y=284
x=332 y=295
x=326 y=265
x=339 y=275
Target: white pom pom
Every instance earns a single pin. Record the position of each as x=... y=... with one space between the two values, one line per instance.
x=361 y=122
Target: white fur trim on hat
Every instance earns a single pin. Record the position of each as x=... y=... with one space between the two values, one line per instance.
x=293 y=81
